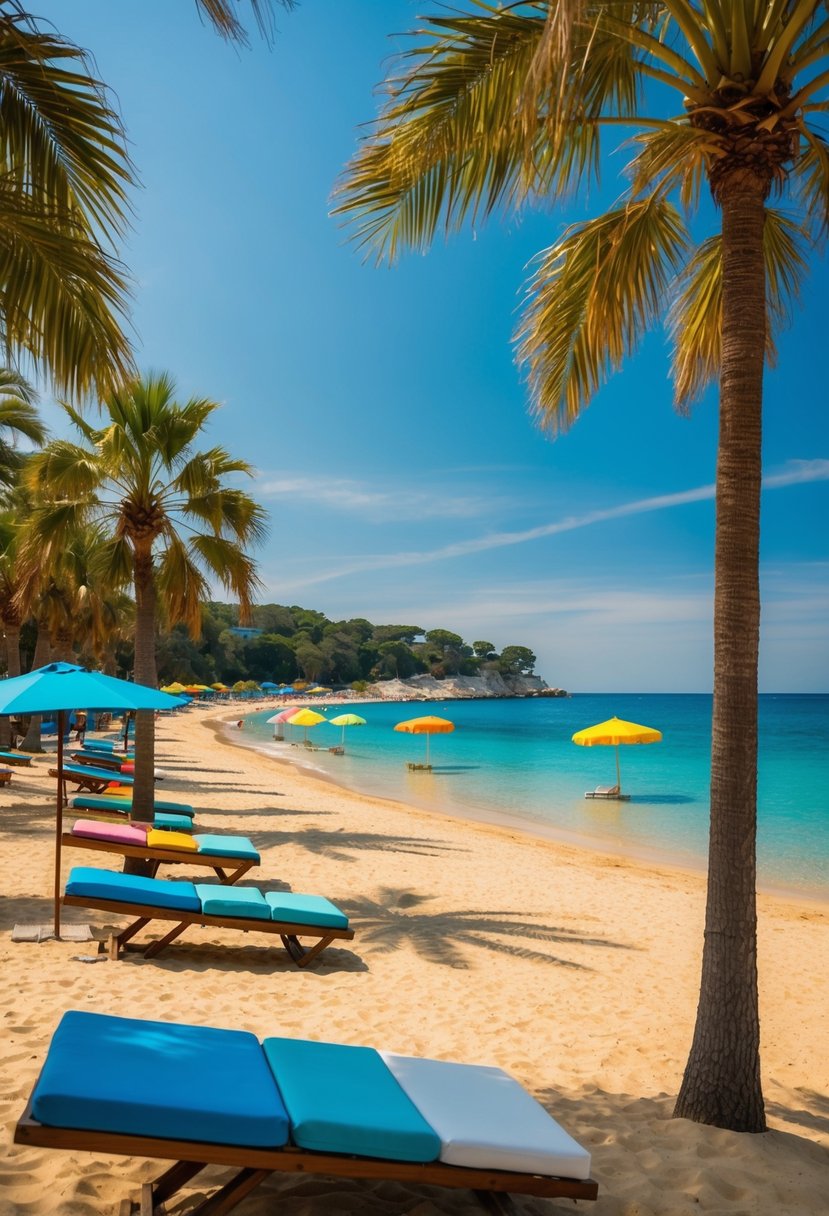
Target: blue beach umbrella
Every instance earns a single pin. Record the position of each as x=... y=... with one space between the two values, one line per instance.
x=58 y=688
x=267 y=686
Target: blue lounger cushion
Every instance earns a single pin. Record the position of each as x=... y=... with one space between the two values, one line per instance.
x=100 y=802
x=345 y=1100
x=100 y=774
x=227 y=846
x=298 y=909
x=157 y=1079
x=217 y=900
x=486 y=1120
x=172 y=823
x=133 y=889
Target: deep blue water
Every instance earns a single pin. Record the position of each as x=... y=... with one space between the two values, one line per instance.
x=515 y=759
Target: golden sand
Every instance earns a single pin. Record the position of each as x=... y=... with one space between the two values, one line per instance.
x=575 y=972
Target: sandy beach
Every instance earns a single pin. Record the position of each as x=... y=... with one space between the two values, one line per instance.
x=575 y=972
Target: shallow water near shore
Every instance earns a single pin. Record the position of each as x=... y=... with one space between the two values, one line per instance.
x=514 y=760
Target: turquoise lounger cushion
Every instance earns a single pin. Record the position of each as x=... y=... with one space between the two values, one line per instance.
x=486 y=1120
x=99 y=774
x=172 y=823
x=217 y=900
x=141 y=1078
x=100 y=802
x=345 y=1100
x=227 y=846
x=305 y=910
x=132 y=889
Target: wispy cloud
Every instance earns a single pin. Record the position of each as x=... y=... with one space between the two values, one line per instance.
x=398 y=503
x=797 y=472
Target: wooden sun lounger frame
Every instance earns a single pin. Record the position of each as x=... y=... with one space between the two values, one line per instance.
x=16 y=759
x=492 y=1187
x=229 y=869
x=5 y=776
x=289 y=932
x=84 y=781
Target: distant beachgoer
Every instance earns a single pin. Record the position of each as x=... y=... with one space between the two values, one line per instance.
x=240 y=723
x=80 y=727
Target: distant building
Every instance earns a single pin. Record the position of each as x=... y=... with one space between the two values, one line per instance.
x=242 y=631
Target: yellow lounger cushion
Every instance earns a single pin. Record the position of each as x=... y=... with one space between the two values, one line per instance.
x=171 y=840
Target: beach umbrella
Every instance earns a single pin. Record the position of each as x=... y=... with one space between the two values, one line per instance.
x=426 y=726
x=59 y=688
x=613 y=733
x=345 y=720
x=304 y=718
x=175 y=689
x=287 y=690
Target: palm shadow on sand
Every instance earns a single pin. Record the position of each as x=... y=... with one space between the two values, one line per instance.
x=341 y=845
x=397 y=919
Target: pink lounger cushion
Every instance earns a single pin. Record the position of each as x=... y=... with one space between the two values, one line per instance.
x=118 y=833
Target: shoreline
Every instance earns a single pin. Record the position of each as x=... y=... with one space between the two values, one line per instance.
x=523 y=827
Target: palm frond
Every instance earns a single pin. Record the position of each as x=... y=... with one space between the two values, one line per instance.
x=229 y=511
x=594 y=294
x=811 y=176
x=223 y=17
x=234 y=569
x=182 y=586
x=696 y=316
x=64 y=470
x=673 y=157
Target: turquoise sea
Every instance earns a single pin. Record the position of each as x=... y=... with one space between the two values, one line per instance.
x=513 y=760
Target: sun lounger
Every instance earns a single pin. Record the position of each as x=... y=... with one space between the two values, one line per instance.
x=87 y=778
x=229 y=856
x=210 y=904
x=201 y=1096
x=611 y=792
x=16 y=758
x=5 y=776
x=171 y=816
x=111 y=762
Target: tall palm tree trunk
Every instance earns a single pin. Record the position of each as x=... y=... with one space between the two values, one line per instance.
x=11 y=630
x=143 y=792
x=722 y=1084
x=32 y=741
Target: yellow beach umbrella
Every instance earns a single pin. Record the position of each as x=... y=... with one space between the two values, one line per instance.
x=613 y=733
x=174 y=689
x=426 y=726
x=305 y=718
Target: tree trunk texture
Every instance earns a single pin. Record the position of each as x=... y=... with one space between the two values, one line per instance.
x=721 y=1085
x=32 y=741
x=11 y=630
x=143 y=790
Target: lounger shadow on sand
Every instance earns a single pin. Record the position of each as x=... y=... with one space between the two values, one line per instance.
x=200 y=1096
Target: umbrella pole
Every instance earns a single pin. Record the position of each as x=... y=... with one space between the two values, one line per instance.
x=618 y=774
x=427 y=751
x=59 y=822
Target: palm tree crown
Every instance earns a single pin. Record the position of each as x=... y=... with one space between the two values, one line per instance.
x=169 y=512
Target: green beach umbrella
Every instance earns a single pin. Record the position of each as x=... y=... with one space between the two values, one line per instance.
x=345 y=720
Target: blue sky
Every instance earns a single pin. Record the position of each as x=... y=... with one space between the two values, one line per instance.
x=383 y=408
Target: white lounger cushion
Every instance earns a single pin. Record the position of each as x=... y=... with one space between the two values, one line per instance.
x=486 y=1120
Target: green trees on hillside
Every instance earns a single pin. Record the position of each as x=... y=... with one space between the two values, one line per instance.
x=300 y=644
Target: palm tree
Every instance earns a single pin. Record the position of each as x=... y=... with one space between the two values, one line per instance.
x=223 y=16
x=64 y=177
x=169 y=513
x=497 y=107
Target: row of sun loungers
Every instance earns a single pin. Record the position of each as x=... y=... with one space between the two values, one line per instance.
x=201 y=1096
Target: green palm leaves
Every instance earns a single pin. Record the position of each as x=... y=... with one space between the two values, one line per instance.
x=139 y=474
x=64 y=176
x=500 y=107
